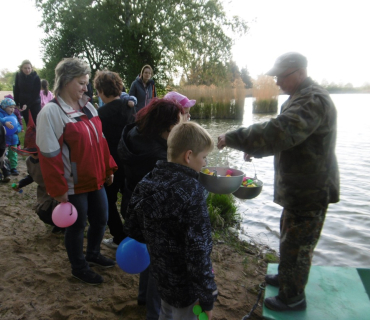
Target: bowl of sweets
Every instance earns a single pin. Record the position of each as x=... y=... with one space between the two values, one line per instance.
x=249 y=189
x=221 y=180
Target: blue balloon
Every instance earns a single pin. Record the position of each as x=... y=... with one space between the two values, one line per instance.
x=14 y=123
x=132 y=256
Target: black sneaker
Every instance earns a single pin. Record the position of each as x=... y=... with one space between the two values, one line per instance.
x=89 y=277
x=272 y=279
x=14 y=172
x=295 y=304
x=100 y=261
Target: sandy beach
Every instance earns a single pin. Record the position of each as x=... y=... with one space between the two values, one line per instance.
x=36 y=281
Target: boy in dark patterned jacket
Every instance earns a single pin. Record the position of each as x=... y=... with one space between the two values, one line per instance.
x=168 y=212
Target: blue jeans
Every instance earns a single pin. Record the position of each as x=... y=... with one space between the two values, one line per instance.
x=93 y=206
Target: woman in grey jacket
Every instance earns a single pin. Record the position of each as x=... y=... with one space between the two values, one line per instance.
x=143 y=87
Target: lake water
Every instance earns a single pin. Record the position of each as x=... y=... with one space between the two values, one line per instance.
x=345 y=239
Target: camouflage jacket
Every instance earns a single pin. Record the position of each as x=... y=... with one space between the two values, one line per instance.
x=302 y=138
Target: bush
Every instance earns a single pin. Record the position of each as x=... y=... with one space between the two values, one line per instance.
x=222 y=210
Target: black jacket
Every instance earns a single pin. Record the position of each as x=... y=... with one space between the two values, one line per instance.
x=139 y=154
x=115 y=115
x=142 y=94
x=168 y=212
x=27 y=89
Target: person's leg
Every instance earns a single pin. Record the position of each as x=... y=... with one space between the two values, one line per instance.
x=298 y=238
x=98 y=215
x=143 y=285
x=13 y=158
x=74 y=235
x=169 y=312
x=153 y=300
x=166 y=311
x=25 y=115
x=35 y=109
x=114 y=219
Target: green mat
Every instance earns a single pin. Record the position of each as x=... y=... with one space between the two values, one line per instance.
x=332 y=293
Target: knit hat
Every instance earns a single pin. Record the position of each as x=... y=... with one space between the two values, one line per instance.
x=29 y=138
x=7 y=102
x=178 y=97
x=9 y=96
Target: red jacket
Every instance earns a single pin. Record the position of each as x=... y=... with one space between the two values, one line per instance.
x=74 y=155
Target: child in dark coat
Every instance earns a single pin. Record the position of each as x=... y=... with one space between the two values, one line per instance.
x=168 y=212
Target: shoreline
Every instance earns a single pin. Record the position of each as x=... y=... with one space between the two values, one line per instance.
x=36 y=281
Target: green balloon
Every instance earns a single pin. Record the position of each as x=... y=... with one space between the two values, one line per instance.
x=197 y=309
x=203 y=316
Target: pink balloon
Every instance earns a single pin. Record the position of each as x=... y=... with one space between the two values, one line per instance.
x=64 y=215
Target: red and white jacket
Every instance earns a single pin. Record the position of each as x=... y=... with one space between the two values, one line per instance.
x=74 y=155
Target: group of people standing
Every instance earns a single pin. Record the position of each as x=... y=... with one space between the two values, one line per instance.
x=153 y=155
x=30 y=95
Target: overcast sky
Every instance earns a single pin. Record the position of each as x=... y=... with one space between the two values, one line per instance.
x=333 y=35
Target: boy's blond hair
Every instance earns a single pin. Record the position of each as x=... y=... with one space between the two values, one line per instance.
x=188 y=136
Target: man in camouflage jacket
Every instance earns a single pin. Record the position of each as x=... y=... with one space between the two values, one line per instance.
x=302 y=138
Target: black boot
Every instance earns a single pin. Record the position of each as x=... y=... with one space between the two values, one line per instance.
x=297 y=303
x=272 y=279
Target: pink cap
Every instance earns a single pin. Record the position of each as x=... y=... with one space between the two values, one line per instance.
x=178 y=97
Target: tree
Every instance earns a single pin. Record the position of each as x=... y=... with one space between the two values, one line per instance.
x=6 y=80
x=246 y=78
x=123 y=35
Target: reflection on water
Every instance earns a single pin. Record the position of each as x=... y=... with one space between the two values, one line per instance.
x=345 y=239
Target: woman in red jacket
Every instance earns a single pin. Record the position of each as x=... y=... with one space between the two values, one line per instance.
x=75 y=161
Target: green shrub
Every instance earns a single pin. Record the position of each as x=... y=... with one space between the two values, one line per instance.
x=222 y=211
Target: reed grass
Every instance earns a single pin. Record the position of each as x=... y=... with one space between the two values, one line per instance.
x=266 y=92
x=215 y=102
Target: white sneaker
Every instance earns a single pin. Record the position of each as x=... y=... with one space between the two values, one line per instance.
x=109 y=243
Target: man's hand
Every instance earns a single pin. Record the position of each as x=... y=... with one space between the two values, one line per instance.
x=131 y=104
x=24 y=107
x=221 y=143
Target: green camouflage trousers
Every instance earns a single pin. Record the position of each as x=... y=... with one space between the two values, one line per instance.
x=299 y=234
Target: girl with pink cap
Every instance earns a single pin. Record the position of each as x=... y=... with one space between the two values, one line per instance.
x=183 y=101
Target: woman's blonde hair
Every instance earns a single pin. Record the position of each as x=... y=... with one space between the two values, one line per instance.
x=188 y=136
x=67 y=70
x=25 y=62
